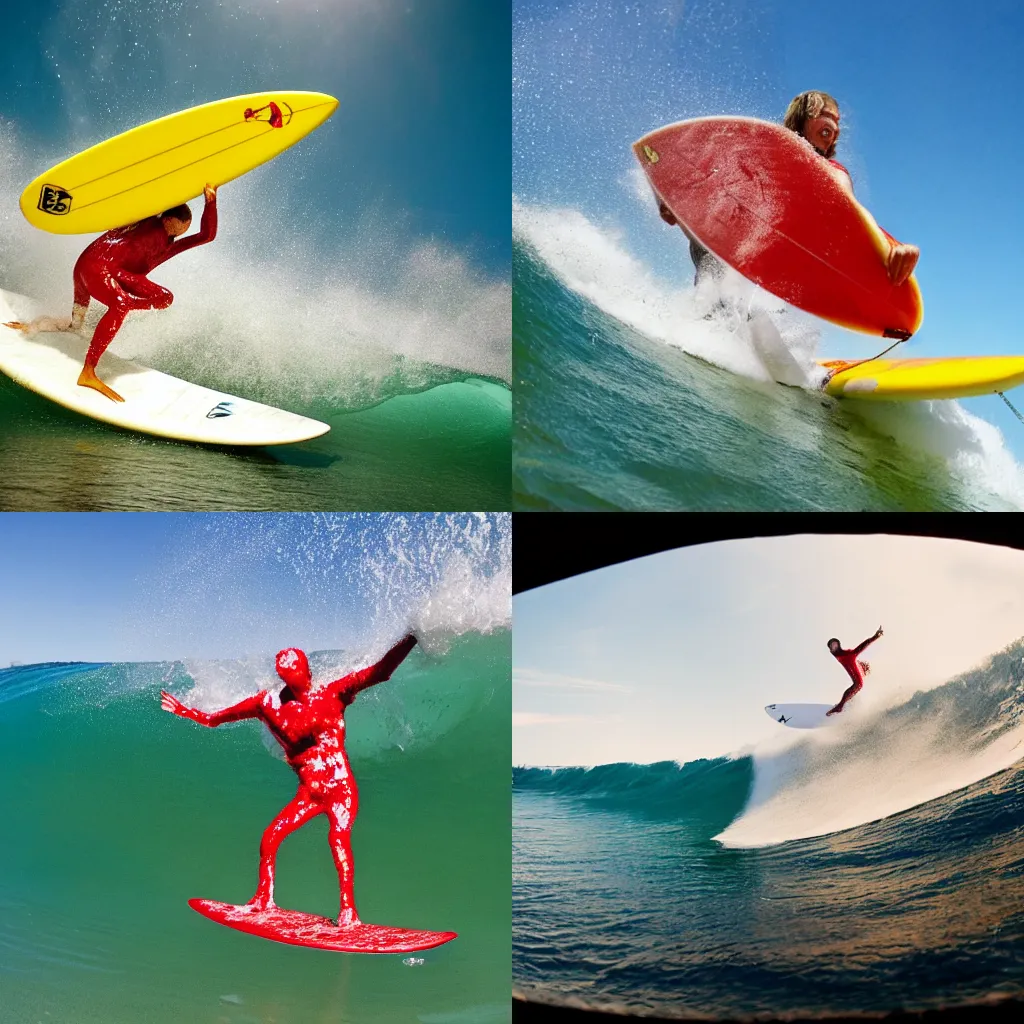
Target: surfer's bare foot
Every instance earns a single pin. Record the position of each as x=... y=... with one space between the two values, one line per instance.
x=262 y=903
x=348 y=919
x=88 y=379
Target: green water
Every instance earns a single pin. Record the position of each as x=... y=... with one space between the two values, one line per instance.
x=609 y=419
x=446 y=448
x=115 y=814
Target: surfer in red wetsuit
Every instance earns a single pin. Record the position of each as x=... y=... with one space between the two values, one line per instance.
x=113 y=268
x=815 y=117
x=309 y=723
x=856 y=669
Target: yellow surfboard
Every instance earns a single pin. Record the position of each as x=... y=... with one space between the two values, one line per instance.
x=916 y=379
x=160 y=164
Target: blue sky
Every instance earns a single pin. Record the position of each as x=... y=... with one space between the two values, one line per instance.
x=148 y=586
x=674 y=656
x=421 y=136
x=926 y=91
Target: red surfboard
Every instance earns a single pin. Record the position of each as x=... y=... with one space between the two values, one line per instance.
x=300 y=929
x=763 y=201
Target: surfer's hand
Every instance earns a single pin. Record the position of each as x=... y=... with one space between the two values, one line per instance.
x=209 y=193
x=901 y=262
x=171 y=703
x=878 y=632
x=666 y=214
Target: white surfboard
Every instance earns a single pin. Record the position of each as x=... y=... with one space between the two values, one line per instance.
x=773 y=352
x=803 y=716
x=154 y=402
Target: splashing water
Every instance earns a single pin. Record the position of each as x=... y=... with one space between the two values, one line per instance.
x=887 y=760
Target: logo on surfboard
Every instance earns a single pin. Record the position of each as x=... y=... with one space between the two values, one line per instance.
x=219 y=410
x=271 y=114
x=54 y=199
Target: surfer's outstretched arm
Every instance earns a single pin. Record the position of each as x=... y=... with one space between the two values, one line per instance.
x=207 y=229
x=251 y=707
x=867 y=643
x=352 y=684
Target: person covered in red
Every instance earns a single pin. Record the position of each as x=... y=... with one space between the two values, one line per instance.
x=814 y=116
x=113 y=268
x=309 y=724
x=855 y=668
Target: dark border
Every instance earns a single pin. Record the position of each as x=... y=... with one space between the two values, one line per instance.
x=552 y=546
x=549 y=546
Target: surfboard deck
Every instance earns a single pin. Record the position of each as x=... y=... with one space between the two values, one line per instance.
x=162 y=163
x=803 y=716
x=155 y=403
x=298 y=929
x=917 y=379
x=760 y=198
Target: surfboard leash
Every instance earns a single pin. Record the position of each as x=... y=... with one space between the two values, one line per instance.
x=1011 y=405
x=861 y=362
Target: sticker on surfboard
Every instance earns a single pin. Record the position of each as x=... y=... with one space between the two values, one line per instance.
x=299 y=929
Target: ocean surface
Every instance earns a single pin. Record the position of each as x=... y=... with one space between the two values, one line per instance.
x=863 y=869
x=115 y=813
x=627 y=398
x=403 y=434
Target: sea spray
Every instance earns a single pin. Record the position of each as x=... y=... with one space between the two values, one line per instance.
x=889 y=760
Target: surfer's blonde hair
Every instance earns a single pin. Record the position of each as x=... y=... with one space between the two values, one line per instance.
x=805 y=107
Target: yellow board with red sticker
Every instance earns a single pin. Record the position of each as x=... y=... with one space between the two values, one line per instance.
x=916 y=379
x=763 y=201
x=163 y=163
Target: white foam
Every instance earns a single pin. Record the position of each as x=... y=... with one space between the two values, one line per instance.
x=595 y=261
x=264 y=312
x=879 y=762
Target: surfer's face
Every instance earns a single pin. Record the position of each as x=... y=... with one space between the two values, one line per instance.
x=174 y=226
x=833 y=646
x=822 y=132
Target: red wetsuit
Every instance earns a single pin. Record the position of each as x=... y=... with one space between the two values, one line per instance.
x=848 y=659
x=310 y=726
x=113 y=270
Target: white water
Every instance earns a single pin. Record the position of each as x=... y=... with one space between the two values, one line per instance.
x=596 y=262
x=439 y=576
x=263 y=312
x=884 y=760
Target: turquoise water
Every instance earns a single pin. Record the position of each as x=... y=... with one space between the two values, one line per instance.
x=876 y=870
x=116 y=813
x=448 y=447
